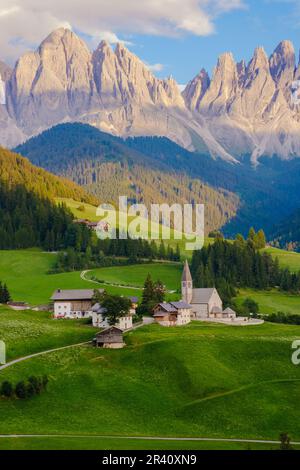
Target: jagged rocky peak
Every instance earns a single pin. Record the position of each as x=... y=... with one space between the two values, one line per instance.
x=223 y=86
x=196 y=89
x=282 y=63
x=5 y=71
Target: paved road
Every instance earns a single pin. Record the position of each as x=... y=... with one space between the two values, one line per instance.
x=24 y=358
x=146 y=438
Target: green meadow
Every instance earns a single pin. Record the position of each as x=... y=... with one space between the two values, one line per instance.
x=287 y=259
x=202 y=380
x=272 y=301
x=26 y=274
x=30 y=332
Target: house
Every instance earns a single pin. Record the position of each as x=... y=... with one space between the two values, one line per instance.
x=99 y=320
x=172 y=313
x=73 y=303
x=110 y=338
x=206 y=302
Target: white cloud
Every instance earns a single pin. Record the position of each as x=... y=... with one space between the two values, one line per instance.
x=181 y=87
x=155 y=67
x=25 y=23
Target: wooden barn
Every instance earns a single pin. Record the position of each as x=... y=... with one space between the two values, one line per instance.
x=110 y=338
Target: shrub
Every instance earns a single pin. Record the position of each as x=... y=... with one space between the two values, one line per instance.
x=21 y=390
x=7 y=389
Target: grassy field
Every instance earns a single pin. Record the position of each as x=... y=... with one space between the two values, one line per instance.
x=31 y=332
x=94 y=443
x=169 y=274
x=287 y=259
x=202 y=380
x=89 y=212
x=26 y=274
x=272 y=301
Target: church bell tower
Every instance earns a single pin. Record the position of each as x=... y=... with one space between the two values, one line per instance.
x=186 y=284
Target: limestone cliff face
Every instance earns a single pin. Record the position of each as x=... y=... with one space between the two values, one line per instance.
x=249 y=107
x=242 y=109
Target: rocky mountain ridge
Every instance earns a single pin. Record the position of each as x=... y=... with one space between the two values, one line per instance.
x=243 y=109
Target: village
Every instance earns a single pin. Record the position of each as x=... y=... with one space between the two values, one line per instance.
x=202 y=304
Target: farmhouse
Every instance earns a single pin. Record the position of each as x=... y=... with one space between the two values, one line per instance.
x=78 y=303
x=73 y=303
x=99 y=320
x=172 y=313
x=110 y=338
x=205 y=303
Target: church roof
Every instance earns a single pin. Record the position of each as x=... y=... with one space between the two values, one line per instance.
x=202 y=296
x=186 y=275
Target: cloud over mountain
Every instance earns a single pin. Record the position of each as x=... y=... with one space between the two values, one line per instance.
x=23 y=25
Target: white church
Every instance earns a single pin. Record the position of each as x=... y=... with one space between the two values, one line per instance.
x=205 y=303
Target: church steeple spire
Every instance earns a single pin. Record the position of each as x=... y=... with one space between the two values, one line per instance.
x=186 y=283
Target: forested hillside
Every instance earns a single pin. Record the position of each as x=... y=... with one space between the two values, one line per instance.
x=108 y=167
x=16 y=170
x=29 y=215
x=287 y=233
x=147 y=166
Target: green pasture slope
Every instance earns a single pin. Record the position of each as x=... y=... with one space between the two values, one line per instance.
x=272 y=301
x=202 y=380
x=287 y=259
x=26 y=274
x=31 y=332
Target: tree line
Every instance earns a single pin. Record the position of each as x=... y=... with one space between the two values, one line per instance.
x=96 y=253
x=228 y=266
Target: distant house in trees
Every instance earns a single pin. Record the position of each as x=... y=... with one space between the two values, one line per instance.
x=110 y=338
x=172 y=313
x=205 y=302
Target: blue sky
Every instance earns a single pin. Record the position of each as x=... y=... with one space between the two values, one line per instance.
x=264 y=23
x=175 y=37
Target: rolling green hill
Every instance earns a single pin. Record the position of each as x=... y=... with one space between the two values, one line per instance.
x=200 y=380
x=26 y=274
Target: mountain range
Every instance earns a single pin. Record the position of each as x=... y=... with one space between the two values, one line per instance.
x=241 y=110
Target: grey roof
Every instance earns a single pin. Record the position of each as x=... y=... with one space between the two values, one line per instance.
x=168 y=307
x=134 y=300
x=202 y=296
x=229 y=311
x=98 y=309
x=186 y=275
x=74 y=294
x=181 y=304
x=111 y=330
x=216 y=310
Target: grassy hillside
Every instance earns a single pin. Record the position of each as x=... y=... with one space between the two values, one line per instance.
x=200 y=380
x=287 y=259
x=30 y=332
x=26 y=274
x=272 y=301
x=169 y=274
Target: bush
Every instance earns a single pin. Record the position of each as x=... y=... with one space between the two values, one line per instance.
x=280 y=317
x=21 y=390
x=7 y=389
x=33 y=386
